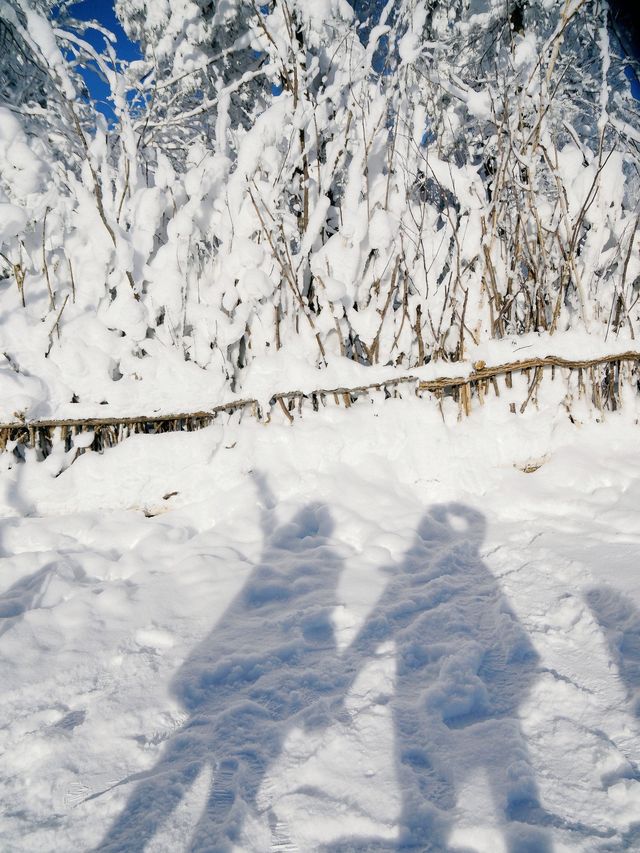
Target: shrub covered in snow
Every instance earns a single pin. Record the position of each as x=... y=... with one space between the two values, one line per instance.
x=286 y=176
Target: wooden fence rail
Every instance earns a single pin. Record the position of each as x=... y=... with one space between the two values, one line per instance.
x=40 y=434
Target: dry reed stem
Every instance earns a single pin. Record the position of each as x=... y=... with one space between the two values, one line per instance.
x=108 y=431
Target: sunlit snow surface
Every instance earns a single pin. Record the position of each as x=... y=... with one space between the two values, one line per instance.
x=365 y=631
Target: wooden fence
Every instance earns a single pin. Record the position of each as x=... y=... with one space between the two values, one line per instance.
x=601 y=378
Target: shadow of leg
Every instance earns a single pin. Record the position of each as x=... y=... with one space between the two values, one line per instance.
x=157 y=794
x=232 y=800
x=221 y=822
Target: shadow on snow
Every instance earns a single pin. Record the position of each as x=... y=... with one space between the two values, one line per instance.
x=464 y=666
x=620 y=622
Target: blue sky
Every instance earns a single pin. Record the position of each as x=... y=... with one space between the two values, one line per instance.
x=102 y=11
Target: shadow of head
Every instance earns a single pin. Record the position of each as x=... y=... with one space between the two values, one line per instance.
x=311 y=527
x=299 y=564
x=312 y=523
x=451 y=524
x=447 y=542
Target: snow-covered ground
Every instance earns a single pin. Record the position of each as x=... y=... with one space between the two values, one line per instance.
x=370 y=630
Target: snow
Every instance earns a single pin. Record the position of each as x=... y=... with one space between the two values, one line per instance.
x=479 y=104
x=161 y=382
x=381 y=625
x=41 y=32
x=21 y=167
x=12 y=221
x=331 y=635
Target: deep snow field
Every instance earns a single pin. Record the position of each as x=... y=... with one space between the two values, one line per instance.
x=369 y=630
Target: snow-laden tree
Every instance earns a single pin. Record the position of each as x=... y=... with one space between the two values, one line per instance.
x=530 y=98
x=199 y=74
x=256 y=208
x=66 y=256
x=295 y=181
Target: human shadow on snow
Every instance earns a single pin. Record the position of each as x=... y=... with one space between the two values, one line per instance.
x=464 y=667
x=267 y=666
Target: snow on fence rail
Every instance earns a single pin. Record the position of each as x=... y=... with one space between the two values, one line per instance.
x=604 y=375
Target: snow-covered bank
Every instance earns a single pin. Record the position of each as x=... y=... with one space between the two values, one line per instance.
x=364 y=630
x=176 y=386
